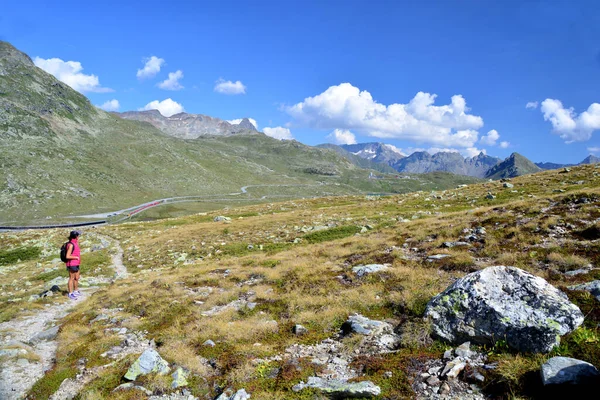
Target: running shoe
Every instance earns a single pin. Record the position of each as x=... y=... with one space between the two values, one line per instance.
x=77 y=293
x=72 y=296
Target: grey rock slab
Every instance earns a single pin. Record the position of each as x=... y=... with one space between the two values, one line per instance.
x=339 y=388
x=150 y=361
x=453 y=368
x=438 y=257
x=592 y=287
x=362 y=270
x=565 y=370
x=362 y=325
x=48 y=334
x=503 y=302
x=454 y=244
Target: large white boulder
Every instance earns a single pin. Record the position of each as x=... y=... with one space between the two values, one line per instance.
x=503 y=303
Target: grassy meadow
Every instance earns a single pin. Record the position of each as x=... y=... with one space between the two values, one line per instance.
x=293 y=260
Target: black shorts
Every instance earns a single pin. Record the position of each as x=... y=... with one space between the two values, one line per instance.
x=74 y=268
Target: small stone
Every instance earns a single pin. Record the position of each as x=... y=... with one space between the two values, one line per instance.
x=299 y=330
x=179 y=378
x=149 y=361
x=433 y=381
x=444 y=389
x=448 y=354
x=565 y=370
x=388 y=374
x=453 y=368
x=508 y=185
x=464 y=350
x=209 y=343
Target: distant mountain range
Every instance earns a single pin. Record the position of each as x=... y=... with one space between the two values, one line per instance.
x=480 y=166
x=190 y=126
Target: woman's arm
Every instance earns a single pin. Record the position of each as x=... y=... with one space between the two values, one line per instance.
x=70 y=255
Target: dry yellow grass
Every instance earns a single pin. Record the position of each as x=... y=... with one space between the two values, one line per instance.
x=172 y=262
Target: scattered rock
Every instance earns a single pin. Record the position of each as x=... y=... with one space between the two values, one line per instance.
x=150 y=361
x=362 y=270
x=209 y=343
x=503 y=302
x=453 y=368
x=179 y=378
x=490 y=196
x=362 y=325
x=464 y=350
x=449 y=245
x=337 y=388
x=299 y=330
x=48 y=334
x=508 y=185
x=131 y=386
x=592 y=287
x=565 y=370
x=239 y=395
x=436 y=257
x=221 y=218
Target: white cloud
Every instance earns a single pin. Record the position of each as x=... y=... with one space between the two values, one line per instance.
x=279 y=132
x=504 y=145
x=467 y=152
x=341 y=136
x=490 y=139
x=567 y=124
x=239 y=120
x=69 y=72
x=166 y=107
x=532 y=104
x=151 y=67
x=172 y=83
x=594 y=149
x=347 y=107
x=111 y=105
x=229 y=87
x=472 y=151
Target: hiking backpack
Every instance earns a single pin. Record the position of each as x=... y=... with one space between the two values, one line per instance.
x=63 y=252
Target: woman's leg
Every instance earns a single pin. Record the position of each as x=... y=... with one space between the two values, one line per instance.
x=76 y=281
x=71 y=282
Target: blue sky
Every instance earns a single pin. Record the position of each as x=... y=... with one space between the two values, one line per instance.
x=341 y=71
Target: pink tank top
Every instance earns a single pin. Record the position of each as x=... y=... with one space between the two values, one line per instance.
x=75 y=253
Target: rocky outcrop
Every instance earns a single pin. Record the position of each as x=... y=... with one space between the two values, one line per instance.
x=565 y=370
x=190 y=126
x=503 y=303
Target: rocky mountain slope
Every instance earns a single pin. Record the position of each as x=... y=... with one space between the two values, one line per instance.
x=61 y=156
x=358 y=160
x=513 y=165
x=455 y=163
x=375 y=152
x=190 y=126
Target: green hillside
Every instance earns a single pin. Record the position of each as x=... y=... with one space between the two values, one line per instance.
x=62 y=156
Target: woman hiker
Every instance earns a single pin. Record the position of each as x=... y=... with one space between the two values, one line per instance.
x=73 y=263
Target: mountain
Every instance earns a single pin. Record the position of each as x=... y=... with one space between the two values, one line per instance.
x=190 y=126
x=358 y=160
x=513 y=165
x=376 y=152
x=61 y=156
x=590 y=160
x=551 y=165
x=422 y=162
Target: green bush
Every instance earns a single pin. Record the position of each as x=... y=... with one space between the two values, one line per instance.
x=326 y=235
x=19 y=254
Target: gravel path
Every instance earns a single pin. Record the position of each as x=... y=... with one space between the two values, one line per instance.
x=27 y=356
